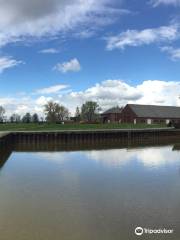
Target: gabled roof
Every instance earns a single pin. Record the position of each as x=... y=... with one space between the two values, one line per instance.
x=113 y=110
x=153 y=111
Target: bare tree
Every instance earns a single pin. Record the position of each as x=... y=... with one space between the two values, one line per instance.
x=2 y=112
x=90 y=111
x=62 y=113
x=15 y=118
x=50 y=111
x=55 y=112
x=77 y=115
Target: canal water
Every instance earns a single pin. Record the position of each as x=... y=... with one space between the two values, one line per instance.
x=90 y=194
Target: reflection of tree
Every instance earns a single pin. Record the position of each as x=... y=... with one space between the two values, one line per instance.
x=85 y=141
x=55 y=143
x=176 y=147
x=5 y=153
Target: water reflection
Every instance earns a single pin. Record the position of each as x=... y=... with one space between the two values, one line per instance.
x=149 y=157
x=112 y=154
x=5 y=152
x=153 y=157
x=90 y=192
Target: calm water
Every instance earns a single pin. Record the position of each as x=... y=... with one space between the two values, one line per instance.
x=90 y=195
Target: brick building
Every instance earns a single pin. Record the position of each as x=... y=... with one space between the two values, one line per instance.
x=134 y=113
x=111 y=115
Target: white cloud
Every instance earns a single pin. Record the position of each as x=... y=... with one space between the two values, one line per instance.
x=41 y=101
x=6 y=101
x=72 y=66
x=149 y=157
x=23 y=105
x=152 y=157
x=173 y=52
x=156 y=3
x=159 y=92
x=116 y=92
x=143 y=37
x=15 y=105
x=49 y=51
x=52 y=89
x=108 y=93
x=8 y=62
x=24 y=19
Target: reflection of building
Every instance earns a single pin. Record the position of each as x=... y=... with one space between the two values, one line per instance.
x=112 y=115
x=134 y=113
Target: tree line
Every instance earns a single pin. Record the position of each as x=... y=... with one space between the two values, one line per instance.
x=56 y=113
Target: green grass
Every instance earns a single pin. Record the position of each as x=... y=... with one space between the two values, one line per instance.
x=58 y=127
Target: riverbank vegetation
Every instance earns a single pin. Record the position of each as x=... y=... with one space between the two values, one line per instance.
x=71 y=126
x=57 y=117
x=56 y=113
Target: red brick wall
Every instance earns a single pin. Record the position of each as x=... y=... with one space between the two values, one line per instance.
x=112 y=117
x=127 y=115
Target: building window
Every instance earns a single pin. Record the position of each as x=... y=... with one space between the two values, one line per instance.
x=149 y=121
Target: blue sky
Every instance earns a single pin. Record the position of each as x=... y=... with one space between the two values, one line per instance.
x=114 y=52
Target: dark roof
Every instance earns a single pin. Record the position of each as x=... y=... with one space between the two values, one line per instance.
x=153 y=111
x=113 y=110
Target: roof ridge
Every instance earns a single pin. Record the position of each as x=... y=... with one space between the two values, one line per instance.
x=155 y=111
x=151 y=105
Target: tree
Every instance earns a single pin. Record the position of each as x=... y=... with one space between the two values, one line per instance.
x=35 y=118
x=26 y=118
x=2 y=112
x=50 y=111
x=15 y=118
x=77 y=115
x=55 y=112
x=62 y=113
x=90 y=111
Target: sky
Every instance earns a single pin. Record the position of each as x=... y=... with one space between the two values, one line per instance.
x=71 y=51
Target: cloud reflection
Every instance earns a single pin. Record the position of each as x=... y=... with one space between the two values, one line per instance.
x=148 y=157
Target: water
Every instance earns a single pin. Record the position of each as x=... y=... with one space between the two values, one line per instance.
x=90 y=194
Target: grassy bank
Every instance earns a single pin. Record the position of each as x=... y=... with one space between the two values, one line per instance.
x=58 y=127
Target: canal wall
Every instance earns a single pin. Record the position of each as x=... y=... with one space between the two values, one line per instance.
x=6 y=141
x=6 y=146
x=94 y=136
x=69 y=137
x=85 y=140
x=5 y=138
